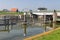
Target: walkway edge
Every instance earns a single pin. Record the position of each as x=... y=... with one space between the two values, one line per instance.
x=39 y=35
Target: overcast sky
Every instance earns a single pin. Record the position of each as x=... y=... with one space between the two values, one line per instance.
x=30 y=4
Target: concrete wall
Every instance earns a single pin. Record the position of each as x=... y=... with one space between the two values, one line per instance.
x=58 y=13
x=46 y=13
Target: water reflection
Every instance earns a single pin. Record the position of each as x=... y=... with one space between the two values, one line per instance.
x=17 y=31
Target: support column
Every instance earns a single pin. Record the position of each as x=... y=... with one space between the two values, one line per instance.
x=45 y=22
x=25 y=24
x=54 y=19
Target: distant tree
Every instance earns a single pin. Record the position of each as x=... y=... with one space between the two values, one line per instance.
x=17 y=10
x=30 y=11
x=6 y=10
x=42 y=8
x=54 y=10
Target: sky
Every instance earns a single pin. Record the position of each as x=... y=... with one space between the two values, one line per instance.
x=30 y=4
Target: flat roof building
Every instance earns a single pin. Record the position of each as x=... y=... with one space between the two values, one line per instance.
x=13 y=9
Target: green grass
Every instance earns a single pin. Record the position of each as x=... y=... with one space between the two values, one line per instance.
x=13 y=13
x=55 y=35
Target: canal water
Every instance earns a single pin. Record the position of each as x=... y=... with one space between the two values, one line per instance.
x=17 y=31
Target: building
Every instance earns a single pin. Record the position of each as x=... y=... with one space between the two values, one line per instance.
x=49 y=15
x=13 y=9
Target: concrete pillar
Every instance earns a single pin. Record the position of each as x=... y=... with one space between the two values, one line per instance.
x=25 y=24
x=44 y=23
x=20 y=16
x=54 y=18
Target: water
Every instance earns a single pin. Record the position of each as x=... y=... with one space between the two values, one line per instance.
x=17 y=32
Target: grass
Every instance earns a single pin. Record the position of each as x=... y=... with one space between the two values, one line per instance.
x=13 y=13
x=55 y=35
